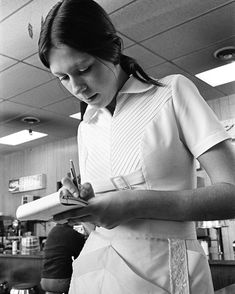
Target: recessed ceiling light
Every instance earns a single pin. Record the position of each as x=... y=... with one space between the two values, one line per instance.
x=21 y=137
x=76 y=115
x=225 y=53
x=30 y=119
x=219 y=75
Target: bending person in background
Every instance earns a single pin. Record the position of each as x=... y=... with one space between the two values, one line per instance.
x=62 y=246
x=137 y=143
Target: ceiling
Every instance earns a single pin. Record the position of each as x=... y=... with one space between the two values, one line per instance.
x=165 y=36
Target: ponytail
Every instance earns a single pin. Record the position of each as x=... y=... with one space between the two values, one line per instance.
x=131 y=67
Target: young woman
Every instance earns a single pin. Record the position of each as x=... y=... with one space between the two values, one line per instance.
x=137 y=147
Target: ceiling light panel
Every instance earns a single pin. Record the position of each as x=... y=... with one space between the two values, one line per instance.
x=21 y=137
x=219 y=75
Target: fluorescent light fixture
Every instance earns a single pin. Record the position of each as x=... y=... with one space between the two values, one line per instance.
x=21 y=137
x=76 y=115
x=219 y=75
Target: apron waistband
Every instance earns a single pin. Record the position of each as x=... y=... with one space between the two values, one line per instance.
x=152 y=229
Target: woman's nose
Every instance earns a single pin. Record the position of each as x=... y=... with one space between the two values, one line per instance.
x=78 y=87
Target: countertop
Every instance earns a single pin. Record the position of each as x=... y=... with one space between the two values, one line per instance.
x=26 y=256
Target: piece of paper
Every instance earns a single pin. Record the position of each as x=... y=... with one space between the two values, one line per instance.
x=46 y=207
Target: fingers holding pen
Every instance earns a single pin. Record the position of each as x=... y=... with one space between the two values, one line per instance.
x=85 y=191
x=68 y=184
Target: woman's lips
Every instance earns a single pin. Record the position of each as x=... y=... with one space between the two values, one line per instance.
x=92 y=97
x=88 y=99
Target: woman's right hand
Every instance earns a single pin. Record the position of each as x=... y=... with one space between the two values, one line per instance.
x=85 y=191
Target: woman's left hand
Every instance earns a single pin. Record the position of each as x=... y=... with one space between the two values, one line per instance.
x=107 y=210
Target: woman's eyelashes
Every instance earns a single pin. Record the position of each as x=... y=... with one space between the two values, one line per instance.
x=79 y=72
x=85 y=69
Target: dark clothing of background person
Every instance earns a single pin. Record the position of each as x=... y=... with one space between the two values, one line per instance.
x=63 y=244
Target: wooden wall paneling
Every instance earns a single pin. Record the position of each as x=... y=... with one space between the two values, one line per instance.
x=1 y=183
x=67 y=150
x=13 y=167
x=62 y=160
x=51 y=159
x=50 y=167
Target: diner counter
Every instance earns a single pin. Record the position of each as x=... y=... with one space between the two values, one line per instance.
x=27 y=269
x=223 y=273
x=222 y=262
x=22 y=256
x=17 y=269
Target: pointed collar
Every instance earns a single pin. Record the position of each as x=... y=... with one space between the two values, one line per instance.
x=132 y=86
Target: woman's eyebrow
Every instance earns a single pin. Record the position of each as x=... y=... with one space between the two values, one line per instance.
x=75 y=67
x=81 y=64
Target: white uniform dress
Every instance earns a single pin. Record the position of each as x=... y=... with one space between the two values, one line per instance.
x=152 y=140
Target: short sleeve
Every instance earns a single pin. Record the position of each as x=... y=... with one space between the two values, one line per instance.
x=199 y=127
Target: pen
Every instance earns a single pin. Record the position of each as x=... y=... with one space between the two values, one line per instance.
x=73 y=174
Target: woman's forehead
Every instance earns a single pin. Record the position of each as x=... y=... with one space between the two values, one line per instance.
x=67 y=56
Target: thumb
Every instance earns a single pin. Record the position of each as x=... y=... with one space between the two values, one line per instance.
x=70 y=186
x=86 y=191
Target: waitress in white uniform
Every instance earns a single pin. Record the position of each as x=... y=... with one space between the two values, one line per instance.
x=137 y=147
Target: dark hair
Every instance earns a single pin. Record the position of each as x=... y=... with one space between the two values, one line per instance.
x=85 y=26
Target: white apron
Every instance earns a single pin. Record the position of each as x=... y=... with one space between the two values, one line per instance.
x=138 y=258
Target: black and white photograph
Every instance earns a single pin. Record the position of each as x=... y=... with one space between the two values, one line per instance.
x=117 y=146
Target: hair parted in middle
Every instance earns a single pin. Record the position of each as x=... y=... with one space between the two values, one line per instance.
x=84 y=25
